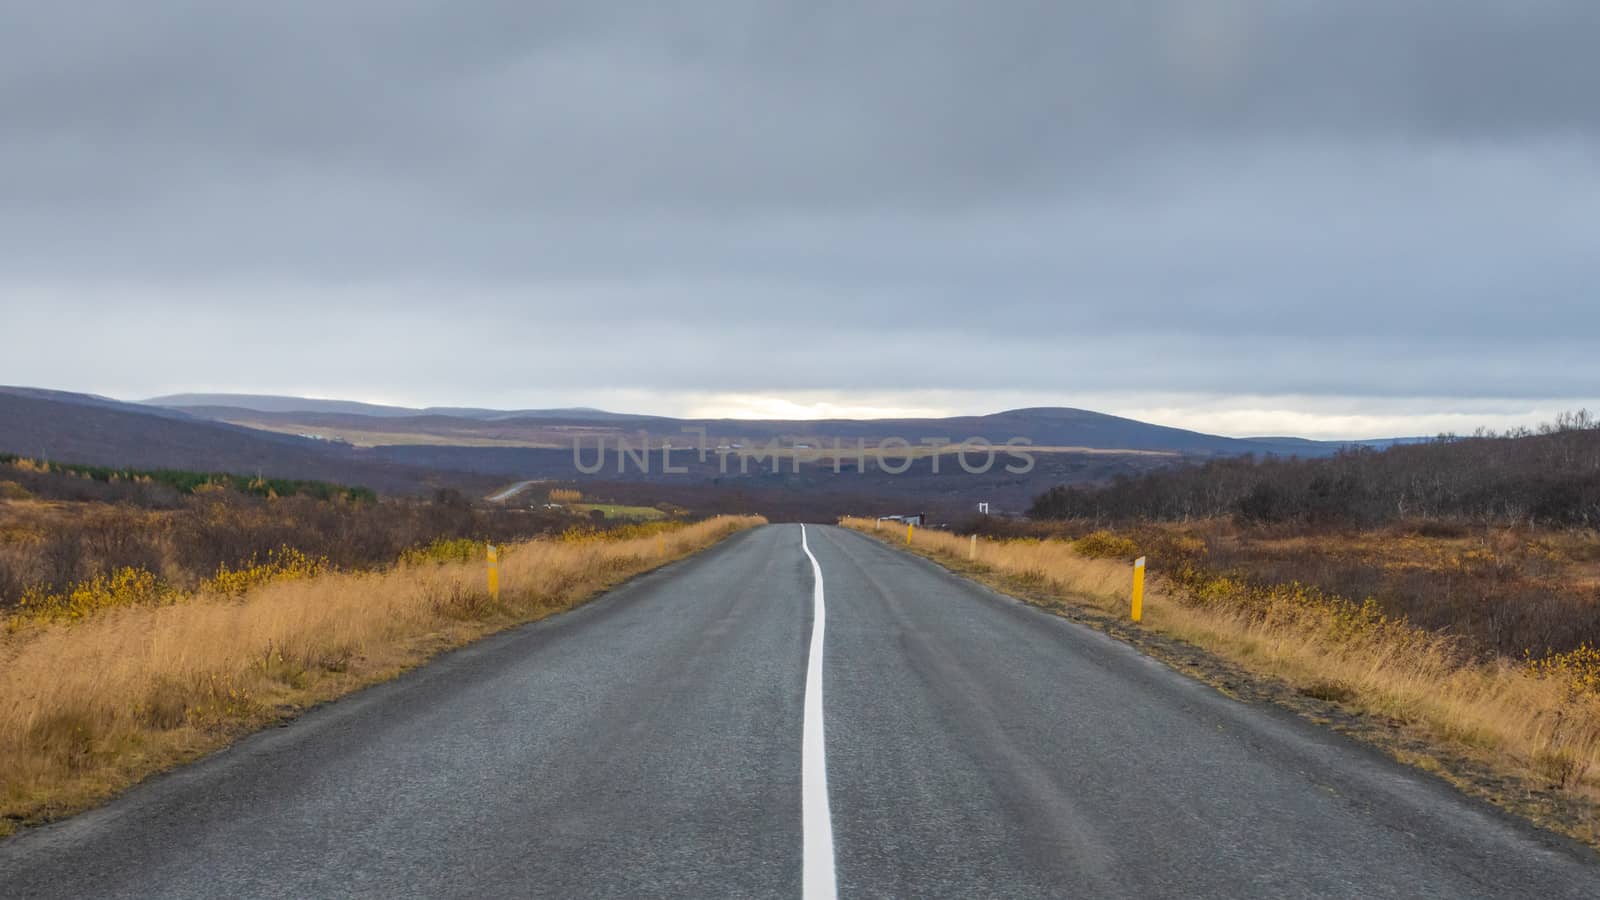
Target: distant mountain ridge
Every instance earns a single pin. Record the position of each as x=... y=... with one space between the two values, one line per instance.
x=83 y=428
x=1044 y=426
x=400 y=450
x=274 y=403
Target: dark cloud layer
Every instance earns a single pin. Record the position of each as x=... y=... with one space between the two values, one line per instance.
x=1348 y=199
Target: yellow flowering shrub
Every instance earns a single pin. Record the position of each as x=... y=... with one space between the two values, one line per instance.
x=1105 y=545
x=1578 y=668
x=584 y=534
x=120 y=588
x=443 y=550
x=282 y=564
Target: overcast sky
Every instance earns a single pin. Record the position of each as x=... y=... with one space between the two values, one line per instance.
x=1335 y=219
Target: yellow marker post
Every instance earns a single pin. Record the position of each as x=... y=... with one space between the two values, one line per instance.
x=1138 y=589
x=494 y=574
x=972 y=550
x=661 y=545
x=909 y=528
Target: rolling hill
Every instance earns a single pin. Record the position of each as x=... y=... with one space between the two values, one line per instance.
x=369 y=425
x=273 y=403
x=82 y=428
x=398 y=449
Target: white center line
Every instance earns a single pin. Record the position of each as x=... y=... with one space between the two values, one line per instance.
x=816 y=824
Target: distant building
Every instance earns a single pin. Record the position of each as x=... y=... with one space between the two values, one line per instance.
x=909 y=519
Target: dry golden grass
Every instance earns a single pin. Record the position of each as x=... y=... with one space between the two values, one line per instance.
x=89 y=707
x=1519 y=591
x=1543 y=731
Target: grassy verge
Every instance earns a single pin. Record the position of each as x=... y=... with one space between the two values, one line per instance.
x=1524 y=736
x=89 y=706
x=621 y=511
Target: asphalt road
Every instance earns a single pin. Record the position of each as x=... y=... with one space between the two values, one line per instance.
x=652 y=743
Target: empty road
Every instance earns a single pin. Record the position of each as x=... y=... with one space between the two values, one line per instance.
x=703 y=732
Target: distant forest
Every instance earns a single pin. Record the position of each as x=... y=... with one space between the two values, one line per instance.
x=1549 y=476
x=180 y=480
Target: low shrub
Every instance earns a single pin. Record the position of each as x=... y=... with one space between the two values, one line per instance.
x=442 y=550
x=282 y=564
x=120 y=589
x=1105 y=545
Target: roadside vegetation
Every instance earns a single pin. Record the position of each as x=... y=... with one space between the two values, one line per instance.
x=1523 y=732
x=79 y=531
x=1509 y=591
x=1547 y=477
x=1461 y=636
x=26 y=473
x=142 y=625
x=90 y=703
x=619 y=511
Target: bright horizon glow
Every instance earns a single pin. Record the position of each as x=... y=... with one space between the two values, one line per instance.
x=755 y=406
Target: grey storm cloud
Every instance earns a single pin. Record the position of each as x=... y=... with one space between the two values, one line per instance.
x=1344 y=198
